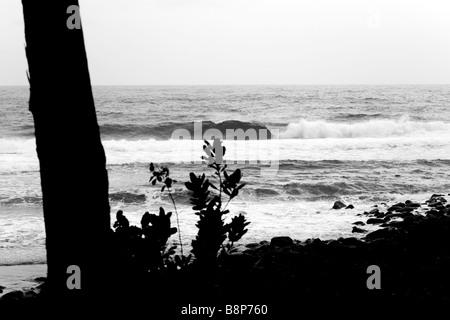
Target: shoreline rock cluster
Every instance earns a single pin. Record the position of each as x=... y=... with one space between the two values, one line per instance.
x=411 y=248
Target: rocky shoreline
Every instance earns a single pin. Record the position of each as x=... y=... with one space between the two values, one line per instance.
x=411 y=249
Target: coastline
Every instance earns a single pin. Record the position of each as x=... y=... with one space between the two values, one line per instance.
x=410 y=247
x=21 y=277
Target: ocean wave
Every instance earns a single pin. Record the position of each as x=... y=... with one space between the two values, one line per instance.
x=320 y=129
x=21 y=200
x=322 y=189
x=127 y=197
x=361 y=116
x=168 y=130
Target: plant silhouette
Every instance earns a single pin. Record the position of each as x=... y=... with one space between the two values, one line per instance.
x=212 y=230
x=145 y=247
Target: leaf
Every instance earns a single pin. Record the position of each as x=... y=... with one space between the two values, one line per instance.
x=241 y=186
x=163 y=187
x=212 y=186
x=152 y=167
x=145 y=220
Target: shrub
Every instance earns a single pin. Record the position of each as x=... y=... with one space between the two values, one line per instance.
x=212 y=230
x=146 y=247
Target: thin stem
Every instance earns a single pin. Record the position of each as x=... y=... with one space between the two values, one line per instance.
x=229 y=199
x=220 y=185
x=178 y=222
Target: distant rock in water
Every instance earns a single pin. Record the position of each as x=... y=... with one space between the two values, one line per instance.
x=350 y=206
x=339 y=205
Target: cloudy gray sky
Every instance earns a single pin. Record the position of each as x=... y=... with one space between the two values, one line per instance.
x=139 y=42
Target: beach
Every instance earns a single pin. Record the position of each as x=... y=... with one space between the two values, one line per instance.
x=21 y=277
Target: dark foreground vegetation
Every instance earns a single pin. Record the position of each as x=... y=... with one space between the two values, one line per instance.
x=411 y=248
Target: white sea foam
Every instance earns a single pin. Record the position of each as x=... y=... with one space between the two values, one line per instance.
x=20 y=155
x=320 y=129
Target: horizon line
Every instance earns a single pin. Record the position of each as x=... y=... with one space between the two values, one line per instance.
x=267 y=84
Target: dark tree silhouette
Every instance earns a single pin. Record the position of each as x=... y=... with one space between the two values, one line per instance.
x=72 y=160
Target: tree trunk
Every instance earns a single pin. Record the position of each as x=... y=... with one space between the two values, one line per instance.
x=74 y=179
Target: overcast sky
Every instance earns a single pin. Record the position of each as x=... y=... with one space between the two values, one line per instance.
x=147 y=42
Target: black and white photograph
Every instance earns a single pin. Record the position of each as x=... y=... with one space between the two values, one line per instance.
x=224 y=159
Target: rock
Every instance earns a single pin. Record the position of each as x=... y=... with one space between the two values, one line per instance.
x=405 y=209
x=397 y=206
x=409 y=220
x=374 y=211
x=375 y=221
x=352 y=241
x=350 y=206
x=40 y=279
x=433 y=214
x=252 y=245
x=359 y=223
x=338 y=205
x=281 y=242
x=436 y=205
x=12 y=296
x=385 y=233
x=358 y=230
x=379 y=214
x=411 y=204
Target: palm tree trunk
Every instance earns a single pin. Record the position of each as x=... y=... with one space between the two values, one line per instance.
x=72 y=160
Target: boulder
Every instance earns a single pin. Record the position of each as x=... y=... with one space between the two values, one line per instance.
x=374 y=221
x=358 y=230
x=350 y=206
x=359 y=223
x=379 y=214
x=12 y=296
x=281 y=242
x=411 y=204
x=338 y=205
x=385 y=233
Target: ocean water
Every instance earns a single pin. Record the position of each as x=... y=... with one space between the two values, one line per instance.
x=363 y=145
